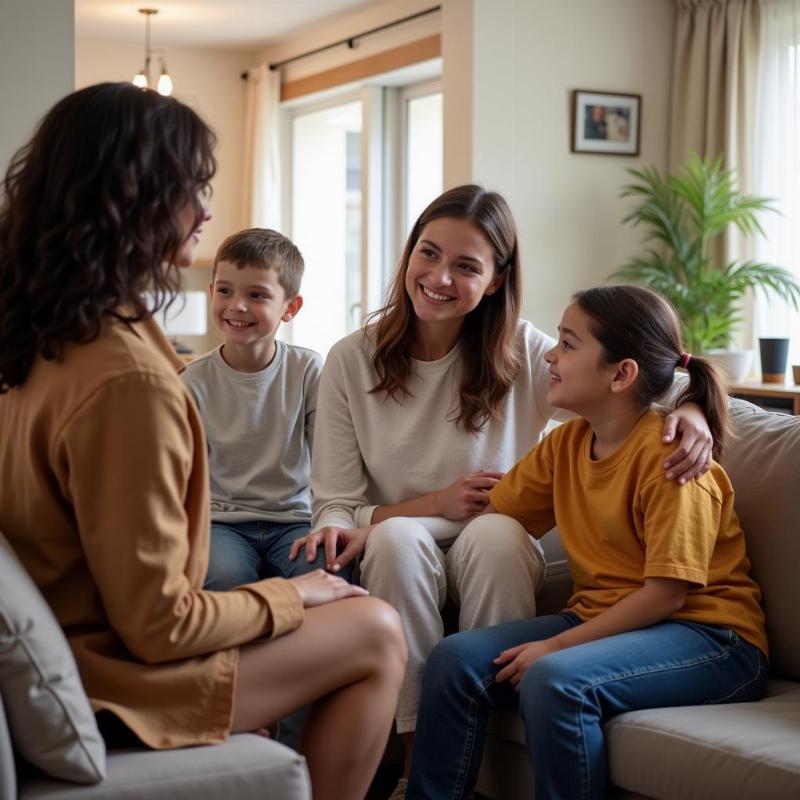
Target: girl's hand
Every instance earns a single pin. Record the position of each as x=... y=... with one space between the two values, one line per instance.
x=467 y=496
x=352 y=540
x=319 y=587
x=692 y=457
x=518 y=659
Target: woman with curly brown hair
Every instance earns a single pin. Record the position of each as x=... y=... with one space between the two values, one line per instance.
x=419 y=415
x=104 y=490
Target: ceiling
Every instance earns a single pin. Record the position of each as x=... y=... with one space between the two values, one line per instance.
x=214 y=23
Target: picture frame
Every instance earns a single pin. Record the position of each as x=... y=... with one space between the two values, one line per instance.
x=605 y=123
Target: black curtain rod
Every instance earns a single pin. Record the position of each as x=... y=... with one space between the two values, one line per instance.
x=350 y=41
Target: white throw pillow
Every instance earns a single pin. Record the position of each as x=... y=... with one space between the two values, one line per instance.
x=51 y=721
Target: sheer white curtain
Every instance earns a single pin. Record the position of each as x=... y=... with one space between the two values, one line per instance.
x=777 y=161
x=262 y=166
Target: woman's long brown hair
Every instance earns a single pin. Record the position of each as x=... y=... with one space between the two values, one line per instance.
x=90 y=218
x=488 y=342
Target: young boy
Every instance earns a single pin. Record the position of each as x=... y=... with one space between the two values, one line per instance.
x=257 y=397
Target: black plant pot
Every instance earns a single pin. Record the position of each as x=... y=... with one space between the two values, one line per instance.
x=774 y=355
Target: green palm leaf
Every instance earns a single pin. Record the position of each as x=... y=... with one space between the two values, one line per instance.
x=682 y=214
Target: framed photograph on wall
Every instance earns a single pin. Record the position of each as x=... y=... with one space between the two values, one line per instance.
x=605 y=122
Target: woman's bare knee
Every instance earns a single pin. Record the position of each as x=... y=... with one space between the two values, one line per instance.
x=382 y=632
x=339 y=644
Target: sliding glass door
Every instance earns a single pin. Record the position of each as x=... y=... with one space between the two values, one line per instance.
x=326 y=221
x=363 y=166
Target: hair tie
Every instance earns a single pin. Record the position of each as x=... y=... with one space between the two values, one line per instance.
x=684 y=360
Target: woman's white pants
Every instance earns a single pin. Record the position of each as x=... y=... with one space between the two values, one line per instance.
x=492 y=569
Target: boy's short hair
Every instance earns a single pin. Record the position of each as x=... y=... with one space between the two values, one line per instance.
x=267 y=249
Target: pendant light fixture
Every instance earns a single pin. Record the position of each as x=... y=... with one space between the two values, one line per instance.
x=143 y=79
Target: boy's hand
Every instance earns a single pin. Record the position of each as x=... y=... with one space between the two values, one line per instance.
x=518 y=659
x=352 y=541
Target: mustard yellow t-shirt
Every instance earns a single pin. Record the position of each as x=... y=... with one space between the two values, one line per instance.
x=621 y=521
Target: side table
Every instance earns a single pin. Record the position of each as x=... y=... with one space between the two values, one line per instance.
x=775 y=396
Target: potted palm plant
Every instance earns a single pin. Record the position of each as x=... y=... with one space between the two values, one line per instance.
x=683 y=214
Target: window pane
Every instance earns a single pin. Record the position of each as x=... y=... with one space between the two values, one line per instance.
x=326 y=222
x=423 y=153
x=777 y=169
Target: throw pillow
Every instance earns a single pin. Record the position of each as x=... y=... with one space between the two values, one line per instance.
x=51 y=721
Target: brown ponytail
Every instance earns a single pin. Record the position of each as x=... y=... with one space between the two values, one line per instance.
x=709 y=390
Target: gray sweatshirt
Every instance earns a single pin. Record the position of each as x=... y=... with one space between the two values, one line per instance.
x=259 y=428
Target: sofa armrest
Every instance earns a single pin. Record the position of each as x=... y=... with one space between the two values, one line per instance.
x=557 y=588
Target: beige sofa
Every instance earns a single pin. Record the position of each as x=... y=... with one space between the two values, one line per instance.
x=748 y=750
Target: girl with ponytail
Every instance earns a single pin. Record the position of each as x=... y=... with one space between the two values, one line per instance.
x=663 y=613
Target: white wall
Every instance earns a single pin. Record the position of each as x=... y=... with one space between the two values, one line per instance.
x=209 y=81
x=36 y=66
x=509 y=68
x=527 y=56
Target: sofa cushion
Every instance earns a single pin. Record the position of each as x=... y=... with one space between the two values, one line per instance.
x=763 y=462
x=719 y=752
x=48 y=713
x=246 y=767
x=712 y=752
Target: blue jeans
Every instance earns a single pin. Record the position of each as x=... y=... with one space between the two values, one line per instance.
x=245 y=552
x=565 y=698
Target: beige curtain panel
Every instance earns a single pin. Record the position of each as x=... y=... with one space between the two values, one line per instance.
x=261 y=188
x=715 y=82
x=714 y=98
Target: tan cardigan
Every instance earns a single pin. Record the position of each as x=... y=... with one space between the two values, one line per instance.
x=104 y=496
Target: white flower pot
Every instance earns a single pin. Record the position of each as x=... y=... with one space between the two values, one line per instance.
x=735 y=364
